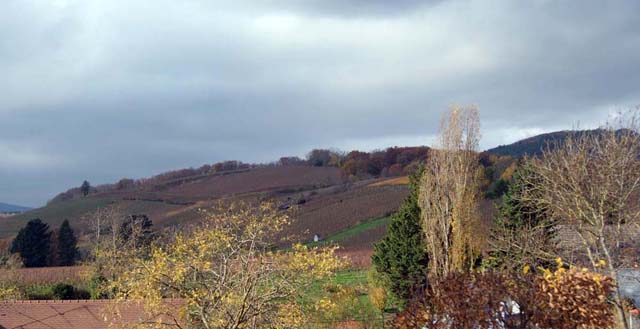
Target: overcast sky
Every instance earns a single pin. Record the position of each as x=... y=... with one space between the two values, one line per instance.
x=101 y=90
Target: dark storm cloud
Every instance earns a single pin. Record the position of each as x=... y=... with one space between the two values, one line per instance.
x=103 y=90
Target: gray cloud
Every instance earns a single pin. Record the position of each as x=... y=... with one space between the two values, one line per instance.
x=103 y=90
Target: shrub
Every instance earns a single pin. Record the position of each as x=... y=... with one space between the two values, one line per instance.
x=565 y=298
x=574 y=299
x=58 y=291
x=97 y=287
x=63 y=291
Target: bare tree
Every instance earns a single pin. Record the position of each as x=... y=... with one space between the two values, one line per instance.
x=590 y=183
x=527 y=245
x=449 y=194
x=103 y=224
x=111 y=249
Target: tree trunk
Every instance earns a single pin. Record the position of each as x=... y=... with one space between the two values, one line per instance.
x=616 y=294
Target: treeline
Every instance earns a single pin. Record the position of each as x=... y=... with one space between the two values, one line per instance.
x=130 y=184
x=394 y=161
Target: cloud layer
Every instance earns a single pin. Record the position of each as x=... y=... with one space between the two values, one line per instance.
x=100 y=90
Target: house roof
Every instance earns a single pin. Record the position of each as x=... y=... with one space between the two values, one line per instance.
x=68 y=314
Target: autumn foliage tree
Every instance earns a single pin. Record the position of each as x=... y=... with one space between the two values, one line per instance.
x=449 y=194
x=227 y=273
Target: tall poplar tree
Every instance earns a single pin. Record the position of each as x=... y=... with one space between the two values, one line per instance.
x=449 y=195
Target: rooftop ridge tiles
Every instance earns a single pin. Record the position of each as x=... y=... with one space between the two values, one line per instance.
x=73 y=301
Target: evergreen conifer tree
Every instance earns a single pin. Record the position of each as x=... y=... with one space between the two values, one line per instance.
x=522 y=230
x=32 y=243
x=401 y=257
x=67 y=245
x=85 y=188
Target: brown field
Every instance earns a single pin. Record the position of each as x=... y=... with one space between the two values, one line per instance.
x=365 y=241
x=44 y=275
x=358 y=258
x=332 y=213
x=176 y=204
x=285 y=179
x=404 y=180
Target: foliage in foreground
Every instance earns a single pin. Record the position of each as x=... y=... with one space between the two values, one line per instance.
x=227 y=274
x=565 y=298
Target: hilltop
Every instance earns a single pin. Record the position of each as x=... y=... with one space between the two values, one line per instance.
x=533 y=146
x=529 y=146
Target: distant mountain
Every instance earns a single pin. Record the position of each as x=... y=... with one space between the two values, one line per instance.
x=532 y=145
x=10 y=208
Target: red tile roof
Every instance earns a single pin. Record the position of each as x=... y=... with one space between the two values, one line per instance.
x=68 y=314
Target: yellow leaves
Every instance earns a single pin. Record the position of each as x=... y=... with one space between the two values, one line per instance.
x=378 y=297
x=9 y=292
x=315 y=263
x=546 y=273
x=526 y=269
x=229 y=266
x=290 y=316
x=325 y=305
x=508 y=173
x=559 y=262
x=560 y=300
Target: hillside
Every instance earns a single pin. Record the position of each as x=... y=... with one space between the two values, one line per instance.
x=10 y=208
x=323 y=201
x=529 y=146
x=534 y=145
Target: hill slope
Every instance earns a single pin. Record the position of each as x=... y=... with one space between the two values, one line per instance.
x=533 y=146
x=324 y=202
x=529 y=146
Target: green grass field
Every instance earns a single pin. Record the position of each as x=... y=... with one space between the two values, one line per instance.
x=356 y=307
x=360 y=228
